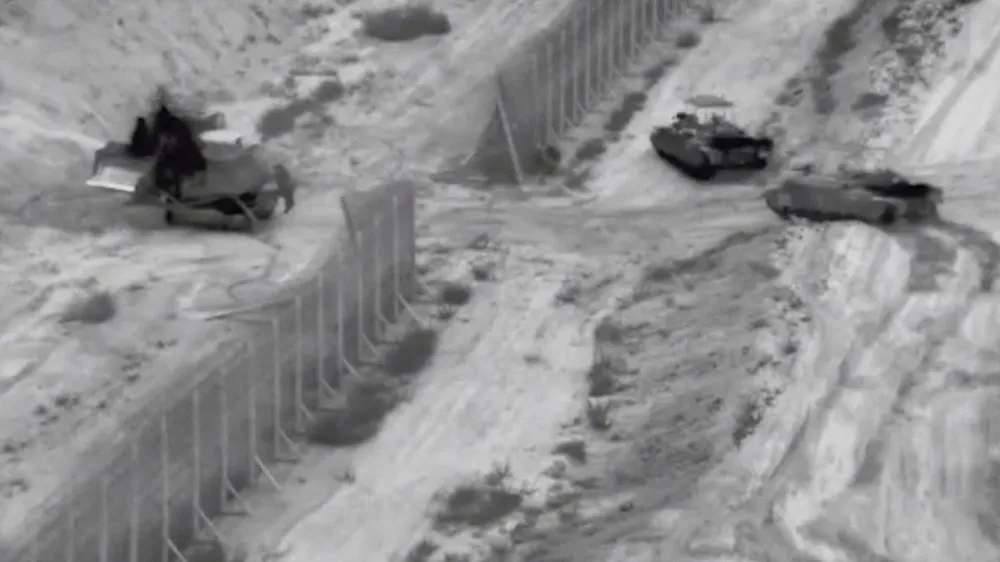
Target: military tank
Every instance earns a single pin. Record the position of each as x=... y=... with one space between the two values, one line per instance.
x=882 y=196
x=702 y=145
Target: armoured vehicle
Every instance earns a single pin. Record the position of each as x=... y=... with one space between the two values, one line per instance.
x=878 y=197
x=189 y=162
x=700 y=146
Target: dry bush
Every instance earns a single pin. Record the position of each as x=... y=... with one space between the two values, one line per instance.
x=688 y=39
x=575 y=450
x=412 y=353
x=421 y=552
x=455 y=294
x=607 y=331
x=598 y=414
x=97 y=308
x=601 y=378
x=359 y=418
x=484 y=271
x=405 y=23
x=481 y=502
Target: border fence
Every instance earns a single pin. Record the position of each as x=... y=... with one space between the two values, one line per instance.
x=186 y=461
x=549 y=87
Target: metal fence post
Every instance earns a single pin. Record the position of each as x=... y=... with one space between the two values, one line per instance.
x=561 y=83
x=70 y=534
x=574 y=66
x=164 y=490
x=588 y=54
x=360 y=278
x=105 y=528
x=550 y=132
x=279 y=435
x=380 y=320
x=302 y=413
x=604 y=47
x=135 y=500
x=397 y=293
x=325 y=392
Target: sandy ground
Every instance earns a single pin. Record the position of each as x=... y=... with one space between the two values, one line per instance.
x=777 y=391
x=881 y=444
x=66 y=382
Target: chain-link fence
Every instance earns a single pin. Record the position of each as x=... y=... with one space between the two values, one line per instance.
x=551 y=85
x=187 y=461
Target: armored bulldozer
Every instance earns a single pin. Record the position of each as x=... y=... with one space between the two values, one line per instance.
x=191 y=162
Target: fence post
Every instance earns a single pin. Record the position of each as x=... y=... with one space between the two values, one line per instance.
x=168 y=545
x=279 y=435
x=397 y=293
x=603 y=47
x=70 y=533
x=302 y=413
x=325 y=392
x=561 y=82
x=588 y=52
x=341 y=343
x=550 y=133
x=105 y=521
x=574 y=34
x=256 y=465
x=380 y=320
x=360 y=277
x=135 y=501
x=226 y=489
x=199 y=519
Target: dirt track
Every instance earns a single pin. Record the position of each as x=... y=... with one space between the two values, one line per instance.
x=782 y=391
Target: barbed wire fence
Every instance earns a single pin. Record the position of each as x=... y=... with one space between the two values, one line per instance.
x=549 y=87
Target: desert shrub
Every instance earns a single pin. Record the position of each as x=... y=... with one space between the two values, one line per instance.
x=599 y=414
x=360 y=416
x=575 y=450
x=412 y=353
x=405 y=23
x=421 y=552
x=480 y=502
x=455 y=294
x=601 y=378
x=97 y=308
x=688 y=39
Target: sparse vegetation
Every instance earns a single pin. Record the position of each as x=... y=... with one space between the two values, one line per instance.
x=360 y=416
x=412 y=353
x=481 y=502
x=484 y=271
x=96 y=308
x=455 y=294
x=601 y=378
x=421 y=552
x=599 y=414
x=405 y=23
x=688 y=39
x=575 y=450
x=607 y=331
x=569 y=292
x=280 y=120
